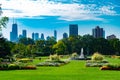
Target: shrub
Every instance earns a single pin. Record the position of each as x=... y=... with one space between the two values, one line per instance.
x=97 y=57
x=25 y=60
x=13 y=67
x=54 y=57
x=29 y=67
x=3 y=66
x=74 y=55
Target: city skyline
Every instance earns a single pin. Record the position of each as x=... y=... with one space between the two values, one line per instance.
x=45 y=16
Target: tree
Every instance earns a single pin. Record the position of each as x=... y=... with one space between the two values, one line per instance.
x=5 y=47
x=3 y=21
x=115 y=44
x=60 y=47
x=26 y=41
x=88 y=44
x=19 y=50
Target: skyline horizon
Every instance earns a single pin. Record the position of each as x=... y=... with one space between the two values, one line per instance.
x=30 y=35
x=45 y=16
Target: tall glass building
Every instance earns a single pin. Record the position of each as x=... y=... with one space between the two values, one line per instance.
x=55 y=34
x=73 y=30
x=24 y=33
x=14 y=33
x=42 y=36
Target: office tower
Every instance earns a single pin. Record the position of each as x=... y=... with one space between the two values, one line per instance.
x=55 y=34
x=36 y=36
x=111 y=37
x=24 y=33
x=98 y=32
x=33 y=36
x=65 y=35
x=42 y=36
x=14 y=33
x=73 y=30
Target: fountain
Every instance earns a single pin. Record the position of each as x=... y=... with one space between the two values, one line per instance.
x=81 y=54
x=81 y=57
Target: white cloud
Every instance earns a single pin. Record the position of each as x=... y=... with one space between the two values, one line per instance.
x=69 y=12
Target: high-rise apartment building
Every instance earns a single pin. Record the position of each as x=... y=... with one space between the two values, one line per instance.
x=98 y=32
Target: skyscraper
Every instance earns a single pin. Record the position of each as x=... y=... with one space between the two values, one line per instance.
x=98 y=32
x=33 y=36
x=42 y=36
x=73 y=30
x=55 y=34
x=24 y=33
x=36 y=36
x=65 y=35
x=14 y=33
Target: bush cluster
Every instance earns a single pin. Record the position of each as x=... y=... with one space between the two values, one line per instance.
x=53 y=63
x=54 y=57
x=16 y=66
x=111 y=67
x=97 y=57
x=25 y=60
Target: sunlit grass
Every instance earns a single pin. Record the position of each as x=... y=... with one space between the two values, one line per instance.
x=75 y=70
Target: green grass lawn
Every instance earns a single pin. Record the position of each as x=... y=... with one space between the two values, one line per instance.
x=75 y=70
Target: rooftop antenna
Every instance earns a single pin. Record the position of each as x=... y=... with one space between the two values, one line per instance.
x=14 y=21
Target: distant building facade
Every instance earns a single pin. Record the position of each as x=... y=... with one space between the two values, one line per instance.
x=73 y=30
x=42 y=37
x=24 y=33
x=55 y=34
x=111 y=37
x=33 y=36
x=14 y=33
x=36 y=36
x=98 y=32
x=65 y=35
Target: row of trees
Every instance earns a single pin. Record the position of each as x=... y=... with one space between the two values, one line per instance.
x=26 y=47
x=89 y=44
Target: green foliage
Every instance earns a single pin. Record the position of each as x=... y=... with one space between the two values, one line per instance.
x=13 y=67
x=3 y=66
x=5 y=47
x=60 y=47
x=25 y=60
x=54 y=57
x=97 y=57
x=26 y=41
x=3 y=22
x=74 y=55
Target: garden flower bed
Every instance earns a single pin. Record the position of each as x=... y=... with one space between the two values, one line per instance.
x=110 y=67
x=91 y=63
x=53 y=63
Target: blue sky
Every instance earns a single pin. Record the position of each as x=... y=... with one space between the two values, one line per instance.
x=45 y=16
